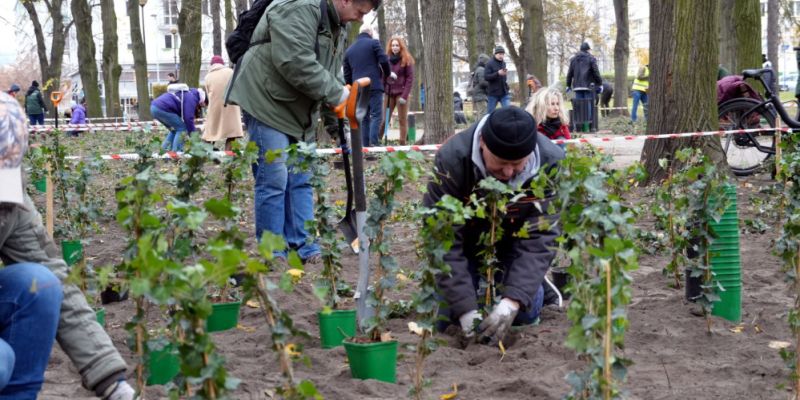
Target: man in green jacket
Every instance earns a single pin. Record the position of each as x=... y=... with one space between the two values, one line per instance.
x=33 y=290
x=282 y=82
x=34 y=104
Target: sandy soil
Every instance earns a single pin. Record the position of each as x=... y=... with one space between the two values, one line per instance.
x=674 y=357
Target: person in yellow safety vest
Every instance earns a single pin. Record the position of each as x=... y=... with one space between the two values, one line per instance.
x=640 y=86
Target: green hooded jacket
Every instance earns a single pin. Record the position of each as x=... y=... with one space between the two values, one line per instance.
x=282 y=83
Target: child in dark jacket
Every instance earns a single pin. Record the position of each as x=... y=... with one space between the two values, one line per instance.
x=547 y=107
x=458 y=108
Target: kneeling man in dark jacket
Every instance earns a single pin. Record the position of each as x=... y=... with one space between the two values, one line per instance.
x=504 y=145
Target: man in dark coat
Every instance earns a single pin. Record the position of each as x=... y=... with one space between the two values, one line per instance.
x=582 y=73
x=366 y=58
x=504 y=145
x=496 y=74
x=478 y=87
x=34 y=104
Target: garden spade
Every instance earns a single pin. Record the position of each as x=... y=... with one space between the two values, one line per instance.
x=348 y=224
x=357 y=106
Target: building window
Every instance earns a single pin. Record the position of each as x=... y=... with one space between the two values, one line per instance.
x=167 y=41
x=170 y=12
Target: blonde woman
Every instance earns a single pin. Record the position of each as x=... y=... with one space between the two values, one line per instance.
x=547 y=107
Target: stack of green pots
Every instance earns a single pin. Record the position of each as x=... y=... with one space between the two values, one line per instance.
x=726 y=262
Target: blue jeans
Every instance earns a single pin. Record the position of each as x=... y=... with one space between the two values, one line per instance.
x=525 y=317
x=504 y=101
x=36 y=119
x=371 y=124
x=284 y=199
x=30 y=304
x=175 y=125
x=638 y=96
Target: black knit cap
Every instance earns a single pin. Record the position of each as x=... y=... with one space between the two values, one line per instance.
x=510 y=133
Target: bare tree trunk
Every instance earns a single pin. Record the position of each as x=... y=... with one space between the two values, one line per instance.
x=216 y=27
x=516 y=56
x=538 y=65
x=111 y=68
x=82 y=15
x=437 y=23
x=230 y=19
x=139 y=62
x=727 y=36
x=382 y=33
x=483 y=21
x=50 y=68
x=740 y=35
x=190 y=51
x=241 y=6
x=684 y=47
x=414 y=31
x=472 y=34
x=773 y=40
x=621 y=54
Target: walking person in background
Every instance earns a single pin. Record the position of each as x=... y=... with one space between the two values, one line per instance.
x=222 y=122
x=34 y=104
x=13 y=90
x=478 y=86
x=496 y=73
x=171 y=78
x=365 y=58
x=547 y=107
x=176 y=110
x=639 y=89
x=458 y=109
x=78 y=116
x=605 y=97
x=769 y=77
x=398 y=89
x=582 y=73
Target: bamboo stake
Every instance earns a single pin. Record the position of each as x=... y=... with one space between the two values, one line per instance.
x=607 y=344
x=778 y=151
x=797 y=334
x=49 y=194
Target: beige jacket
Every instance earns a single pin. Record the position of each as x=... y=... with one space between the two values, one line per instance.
x=221 y=122
x=23 y=238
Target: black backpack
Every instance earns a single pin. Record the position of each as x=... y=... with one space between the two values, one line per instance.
x=238 y=41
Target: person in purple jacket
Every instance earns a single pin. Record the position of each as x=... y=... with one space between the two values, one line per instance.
x=176 y=110
x=398 y=89
x=78 y=116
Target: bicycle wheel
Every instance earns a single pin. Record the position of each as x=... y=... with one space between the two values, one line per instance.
x=740 y=149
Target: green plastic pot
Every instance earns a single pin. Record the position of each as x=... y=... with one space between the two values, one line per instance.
x=223 y=316
x=336 y=326
x=729 y=306
x=72 y=251
x=162 y=365
x=41 y=185
x=100 y=314
x=373 y=360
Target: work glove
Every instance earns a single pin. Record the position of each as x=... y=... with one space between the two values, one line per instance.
x=494 y=328
x=468 y=323
x=599 y=89
x=401 y=100
x=393 y=76
x=338 y=109
x=120 y=390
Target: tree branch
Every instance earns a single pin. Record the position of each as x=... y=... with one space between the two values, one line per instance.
x=462 y=58
x=505 y=31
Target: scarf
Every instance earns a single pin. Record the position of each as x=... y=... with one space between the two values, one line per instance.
x=394 y=58
x=551 y=126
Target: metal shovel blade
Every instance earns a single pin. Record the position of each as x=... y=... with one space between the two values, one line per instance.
x=348 y=225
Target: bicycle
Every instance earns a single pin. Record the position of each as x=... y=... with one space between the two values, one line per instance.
x=747 y=152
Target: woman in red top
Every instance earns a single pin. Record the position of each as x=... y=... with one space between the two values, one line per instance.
x=398 y=89
x=547 y=108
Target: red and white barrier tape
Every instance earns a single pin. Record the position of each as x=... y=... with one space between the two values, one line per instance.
x=434 y=147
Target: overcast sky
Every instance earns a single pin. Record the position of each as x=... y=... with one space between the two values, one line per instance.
x=8 y=51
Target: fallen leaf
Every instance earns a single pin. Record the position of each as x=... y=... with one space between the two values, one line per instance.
x=270 y=393
x=386 y=337
x=402 y=277
x=737 y=329
x=339 y=203
x=757 y=328
x=778 y=344
x=248 y=329
x=502 y=349
x=291 y=349
x=450 y=396
x=414 y=328
x=252 y=303
x=296 y=274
